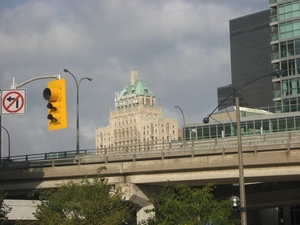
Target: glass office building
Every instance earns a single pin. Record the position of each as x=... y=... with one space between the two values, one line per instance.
x=252 y=122
x=285 y=42
x=250 y=51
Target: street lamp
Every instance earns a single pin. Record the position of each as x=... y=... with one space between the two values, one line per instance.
x=243 y=208
x=184 y=142
x=77 y=106
x=8 y=136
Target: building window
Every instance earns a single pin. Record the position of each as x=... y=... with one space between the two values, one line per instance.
x=289 y=10
x=135 y=131
x=289 y=29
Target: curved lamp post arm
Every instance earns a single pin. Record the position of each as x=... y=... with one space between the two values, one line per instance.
x=89 y=79
x=278 y=72
x=184 y=141
x=67 y=71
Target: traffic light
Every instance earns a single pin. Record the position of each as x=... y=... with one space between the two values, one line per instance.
x=55 y=94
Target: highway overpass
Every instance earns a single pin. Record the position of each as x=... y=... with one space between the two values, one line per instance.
x=271 y=165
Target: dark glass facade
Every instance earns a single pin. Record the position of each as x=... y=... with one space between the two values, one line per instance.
x=250 y=58
x=223 y=93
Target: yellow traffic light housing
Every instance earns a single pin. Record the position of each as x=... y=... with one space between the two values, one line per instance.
x=55 y=94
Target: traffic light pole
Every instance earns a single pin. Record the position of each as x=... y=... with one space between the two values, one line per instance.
x=14 y=85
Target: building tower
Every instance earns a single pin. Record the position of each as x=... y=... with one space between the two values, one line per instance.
x=250 y=51
x=285 y=41
x=136 y=121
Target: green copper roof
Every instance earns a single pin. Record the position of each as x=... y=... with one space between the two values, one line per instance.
x=139 y=88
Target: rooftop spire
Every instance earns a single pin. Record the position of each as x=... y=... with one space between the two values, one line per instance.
x=134 y=76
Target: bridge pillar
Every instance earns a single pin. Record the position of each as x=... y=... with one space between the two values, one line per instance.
x=141 y=214
x=139 y=195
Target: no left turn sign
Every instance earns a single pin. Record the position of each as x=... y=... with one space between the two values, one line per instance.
x=13 y=101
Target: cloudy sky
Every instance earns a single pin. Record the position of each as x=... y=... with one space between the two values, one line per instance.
x=179 y=47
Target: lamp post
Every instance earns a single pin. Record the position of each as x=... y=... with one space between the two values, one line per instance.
x=243 y=208
x=77 y=106
x=8 y=136
x=184 y=142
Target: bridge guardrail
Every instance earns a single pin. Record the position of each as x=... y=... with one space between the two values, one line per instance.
x=253 y=143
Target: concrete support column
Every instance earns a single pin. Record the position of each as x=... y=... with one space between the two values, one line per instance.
x=139 y=195
x=141 y=214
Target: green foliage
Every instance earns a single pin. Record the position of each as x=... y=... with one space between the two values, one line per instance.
x=5 y=209
x=182 y=205
x=88 y=201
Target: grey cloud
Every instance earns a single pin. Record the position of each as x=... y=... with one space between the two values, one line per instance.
x=180 y=48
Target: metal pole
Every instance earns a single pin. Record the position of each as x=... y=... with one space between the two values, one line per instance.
x=243 y=208
x=78 y=85
x=184 y=141
x=8 y=136
x=77 y=107
x=77 y=110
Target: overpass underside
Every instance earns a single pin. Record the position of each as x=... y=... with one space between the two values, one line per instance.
x=264 y=195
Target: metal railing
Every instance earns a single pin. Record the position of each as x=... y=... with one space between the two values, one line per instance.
x=156 y=151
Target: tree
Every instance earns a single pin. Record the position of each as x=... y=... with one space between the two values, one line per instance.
x=182 y=205
x=5 y=209
x=83 y=202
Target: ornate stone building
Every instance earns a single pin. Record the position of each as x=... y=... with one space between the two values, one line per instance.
x=136 y=122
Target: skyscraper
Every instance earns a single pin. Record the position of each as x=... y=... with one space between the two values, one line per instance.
x=136 y=120
x=285 y=41
x=250 y=51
